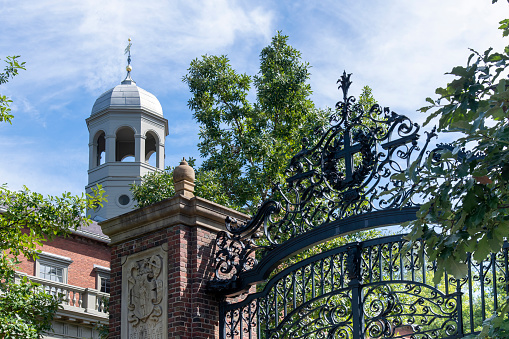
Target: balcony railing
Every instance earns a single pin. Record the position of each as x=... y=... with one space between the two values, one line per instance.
x=77 y=299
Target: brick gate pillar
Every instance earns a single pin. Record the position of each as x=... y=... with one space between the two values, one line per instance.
x=161 y=259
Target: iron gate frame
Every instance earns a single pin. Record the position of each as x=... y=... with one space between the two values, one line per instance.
x=325 y=196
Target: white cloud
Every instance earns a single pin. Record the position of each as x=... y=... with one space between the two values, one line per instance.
x=74 y=53
x=400 y=48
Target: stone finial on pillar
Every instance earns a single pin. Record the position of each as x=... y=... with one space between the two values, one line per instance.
x=183 y=179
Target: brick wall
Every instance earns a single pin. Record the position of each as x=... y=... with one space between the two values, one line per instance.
x=84 y=253
x=191 y=312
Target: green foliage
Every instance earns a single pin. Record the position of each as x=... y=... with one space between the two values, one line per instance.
x=366 y=99
x=248 y=145
x=466 y=194
x=25 y=309
x=30 y=218
x=11 y=70
x=158 y=186
x=27 y=219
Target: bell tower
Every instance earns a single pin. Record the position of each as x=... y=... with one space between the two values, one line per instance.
x=126 y=141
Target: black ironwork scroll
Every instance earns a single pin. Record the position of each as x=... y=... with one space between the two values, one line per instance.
x=330 y=186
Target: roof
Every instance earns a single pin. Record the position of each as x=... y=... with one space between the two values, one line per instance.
x=92 y=231
x=127 y=96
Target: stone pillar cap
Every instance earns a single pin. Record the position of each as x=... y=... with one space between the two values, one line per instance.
x=183 y=179
x=183 y=172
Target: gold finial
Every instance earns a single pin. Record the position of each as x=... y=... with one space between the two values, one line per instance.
x=128 y=68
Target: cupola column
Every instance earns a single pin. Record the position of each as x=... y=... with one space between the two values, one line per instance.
x=110 y=148
x=91 y=155
x=160 y=156
x=139 y=148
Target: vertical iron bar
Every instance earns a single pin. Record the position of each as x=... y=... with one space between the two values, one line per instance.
x=506 y=265
x=390 y=262
x=241 y=322
x=423 y=263
x=258 y=319
x=483 y=308
x=446 y=283
x=494 y=278
x=222 y=320
x=294 y=291
x=285 y=295
x=267 y=318
x=342 y=271
x=354 y=275
x=400 y=262
x=370 y=263
x=459 y=307
x=250 y=323
x=276 y=308
x=322 y=279
x=313 y=294
x=303 y=286
x=412 y=262
x=470 y=294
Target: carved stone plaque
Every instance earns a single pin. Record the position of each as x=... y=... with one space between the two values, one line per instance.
x=144 y=295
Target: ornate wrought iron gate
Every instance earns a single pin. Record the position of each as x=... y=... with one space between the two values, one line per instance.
x=347 y=182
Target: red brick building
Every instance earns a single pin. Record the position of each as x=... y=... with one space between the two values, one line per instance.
x=77 y=266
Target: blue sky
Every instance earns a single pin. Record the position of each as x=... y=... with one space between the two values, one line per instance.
x=74 y=52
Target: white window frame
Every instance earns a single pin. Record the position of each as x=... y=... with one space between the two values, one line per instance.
x=54 y=260
x=102 y=273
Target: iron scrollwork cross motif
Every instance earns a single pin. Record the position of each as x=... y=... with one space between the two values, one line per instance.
x=352 y=139
x=348 y=150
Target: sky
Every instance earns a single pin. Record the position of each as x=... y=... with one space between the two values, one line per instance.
x=74 y=51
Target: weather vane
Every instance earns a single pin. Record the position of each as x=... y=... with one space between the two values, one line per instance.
x=128 y=52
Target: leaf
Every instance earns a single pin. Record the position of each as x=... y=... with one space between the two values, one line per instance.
x=469 y=201
x=437 y=277
x=456 y=268
x=483 y=249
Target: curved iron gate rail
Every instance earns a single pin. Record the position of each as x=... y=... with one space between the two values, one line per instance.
x=370 y=290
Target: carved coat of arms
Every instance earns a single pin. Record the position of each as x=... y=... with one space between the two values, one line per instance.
x=145 y=290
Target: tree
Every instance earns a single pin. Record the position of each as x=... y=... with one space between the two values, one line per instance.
x=11 y=70
x=251 y=143
x=465 y=186
x=27 y=220
x=247 y=146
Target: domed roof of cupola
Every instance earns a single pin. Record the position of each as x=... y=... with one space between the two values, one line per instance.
x=127 y=96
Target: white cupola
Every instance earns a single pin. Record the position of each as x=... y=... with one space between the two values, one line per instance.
x=126 y=141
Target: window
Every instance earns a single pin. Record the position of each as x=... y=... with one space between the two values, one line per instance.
x=103 y=278
x=105 y=285
x=52 y=267
x=124 y=200
x=52 y=273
